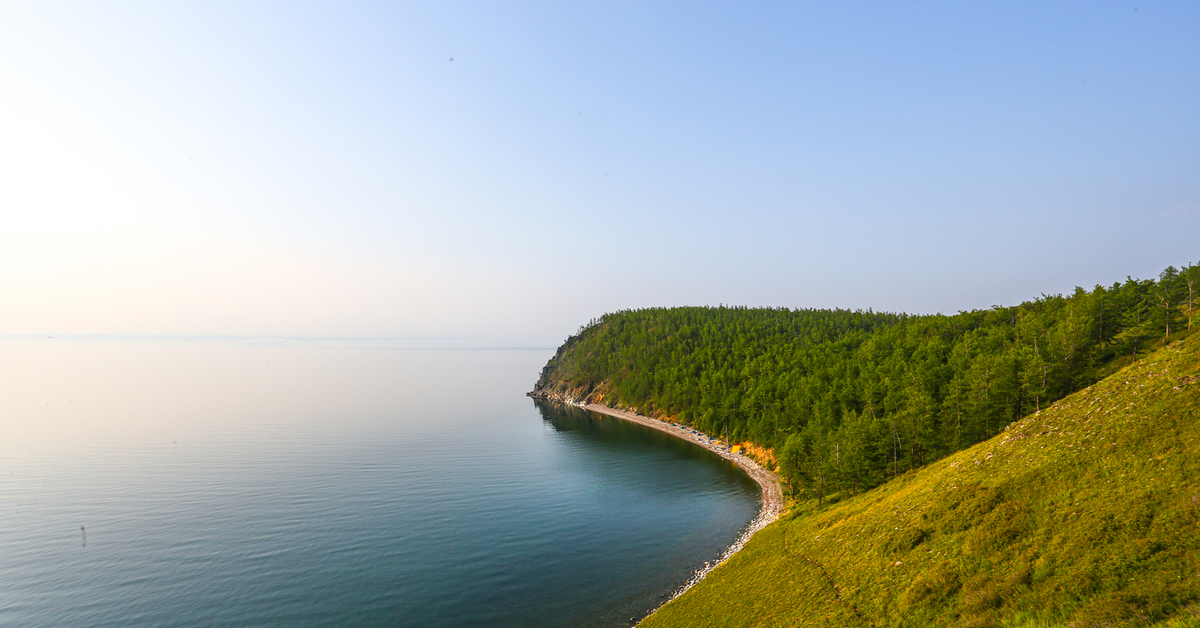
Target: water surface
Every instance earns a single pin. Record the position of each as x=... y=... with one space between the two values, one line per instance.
x=218 y=485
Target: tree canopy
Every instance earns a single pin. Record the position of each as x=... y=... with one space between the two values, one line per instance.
x=848 y=399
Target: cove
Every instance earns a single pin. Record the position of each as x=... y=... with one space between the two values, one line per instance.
x=211 y=484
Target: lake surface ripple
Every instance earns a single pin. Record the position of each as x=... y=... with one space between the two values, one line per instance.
x=219 y=485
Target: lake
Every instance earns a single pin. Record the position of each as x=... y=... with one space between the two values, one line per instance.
x=178 y=483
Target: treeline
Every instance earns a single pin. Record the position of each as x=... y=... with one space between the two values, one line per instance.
x=849 y=399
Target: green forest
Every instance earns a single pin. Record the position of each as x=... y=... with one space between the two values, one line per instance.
x=1083 y=515
x=850 y=399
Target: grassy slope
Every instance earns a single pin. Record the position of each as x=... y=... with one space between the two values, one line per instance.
x=1086 y=514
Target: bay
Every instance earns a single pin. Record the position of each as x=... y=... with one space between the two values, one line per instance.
x=187 y=484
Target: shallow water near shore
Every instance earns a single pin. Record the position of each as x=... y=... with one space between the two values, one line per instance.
x=211 y=484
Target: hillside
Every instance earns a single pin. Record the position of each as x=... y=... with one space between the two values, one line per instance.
x=1086 y=513
x=848 y=400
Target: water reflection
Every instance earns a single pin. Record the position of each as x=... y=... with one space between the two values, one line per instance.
x=600 y=428
x=610 y=440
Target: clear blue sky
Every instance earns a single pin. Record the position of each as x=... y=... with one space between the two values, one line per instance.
x=503 y=172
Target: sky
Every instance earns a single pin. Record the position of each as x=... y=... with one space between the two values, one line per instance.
x=501 y=173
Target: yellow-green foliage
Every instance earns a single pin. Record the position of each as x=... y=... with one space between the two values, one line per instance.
x=1085 y=514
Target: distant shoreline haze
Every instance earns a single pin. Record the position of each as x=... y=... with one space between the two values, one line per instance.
x=432 y=343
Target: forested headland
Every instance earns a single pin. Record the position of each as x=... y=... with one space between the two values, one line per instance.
x=850 y=399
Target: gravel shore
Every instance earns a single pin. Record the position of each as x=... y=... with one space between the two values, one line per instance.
x=772 y=493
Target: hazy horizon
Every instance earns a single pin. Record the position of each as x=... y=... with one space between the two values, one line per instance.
x=499 y=174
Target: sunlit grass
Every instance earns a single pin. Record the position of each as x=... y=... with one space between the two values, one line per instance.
x=1085 y=514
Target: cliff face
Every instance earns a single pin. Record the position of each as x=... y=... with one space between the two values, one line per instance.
x=546 y=378
x=551 y=385
x=575 y=398
x=548 y=387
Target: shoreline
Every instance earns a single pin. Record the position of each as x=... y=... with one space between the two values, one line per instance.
x=771 y=499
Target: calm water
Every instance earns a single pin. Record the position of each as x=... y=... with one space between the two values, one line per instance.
x=204 y=485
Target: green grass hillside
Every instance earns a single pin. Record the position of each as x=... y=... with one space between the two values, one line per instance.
x=1084 y=514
